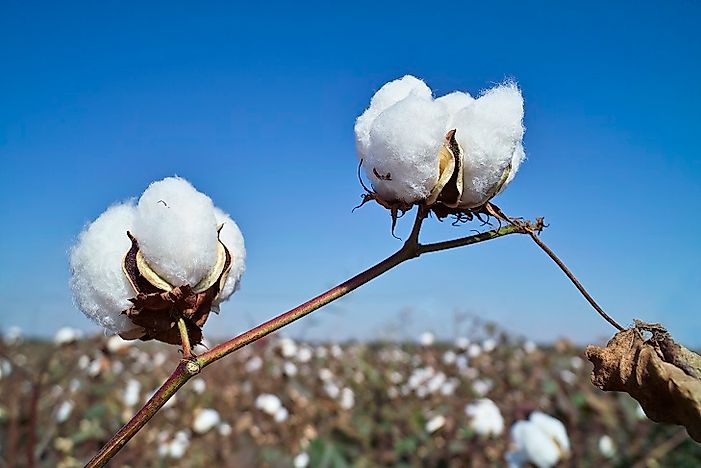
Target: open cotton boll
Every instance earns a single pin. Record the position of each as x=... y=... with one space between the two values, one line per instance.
x=99 y=286
x=176 y=229
x=455 y=102
x=490 y=132
x=486 y=419
x=231 y=237
x=386 y=96
x=404 y=143
x=553 y=427
x=542 y=441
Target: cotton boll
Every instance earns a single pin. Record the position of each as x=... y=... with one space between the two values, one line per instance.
x=281 y=415
x=435 y=423
x=427 y=339
x=67 y=335
x=231 y=237
x=542 y=440
x=606 y=446
x=490 y=132
x=486 y=419
x=301 y=460
x=117 y=344
x=404 y=144
x=553 y=427
x=388 y=95
x=132 y=393
x=225 y=429
x=176 y=229
x=268 y=403
x=205 y=420
x=64 y=411
x=347 y=398
x=100 y=288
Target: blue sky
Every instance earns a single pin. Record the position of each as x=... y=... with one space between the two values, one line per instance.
x=255 y=106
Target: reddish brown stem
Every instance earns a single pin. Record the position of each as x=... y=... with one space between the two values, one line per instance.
x=574 y=280
x=177 y=379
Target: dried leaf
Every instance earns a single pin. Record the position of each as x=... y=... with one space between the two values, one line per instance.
x=660 y=374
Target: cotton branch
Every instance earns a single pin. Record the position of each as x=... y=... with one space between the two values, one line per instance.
x=189 y=367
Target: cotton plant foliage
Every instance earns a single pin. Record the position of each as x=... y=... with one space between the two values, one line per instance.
x=142 y=263
x=454 y=152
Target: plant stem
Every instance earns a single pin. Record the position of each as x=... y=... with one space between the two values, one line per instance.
x=189 y=367
x=176 y=380
x=574 y=280
x=184 y=338
x=484 y=236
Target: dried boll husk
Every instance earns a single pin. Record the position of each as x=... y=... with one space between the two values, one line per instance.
x=158 y=304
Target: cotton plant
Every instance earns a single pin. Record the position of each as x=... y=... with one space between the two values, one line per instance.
x=144 y=265
x=452 y=154
x=153 y=268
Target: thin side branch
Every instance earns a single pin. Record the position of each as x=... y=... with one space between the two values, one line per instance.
x=533 y=231
x=574 y=280
x=184 y=338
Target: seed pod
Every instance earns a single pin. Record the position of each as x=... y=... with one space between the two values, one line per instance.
x=158 y=304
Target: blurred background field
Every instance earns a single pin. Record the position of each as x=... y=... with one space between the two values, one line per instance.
x=283 y=402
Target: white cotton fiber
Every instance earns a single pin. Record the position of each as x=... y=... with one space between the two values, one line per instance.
x=454 y=102
x=99 y=286
x=386 y=96
x=402 y=159
x=232 y=238
x=490 y=132
x=176 y=229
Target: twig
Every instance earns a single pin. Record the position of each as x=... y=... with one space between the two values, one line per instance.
x=177 y=379
x=187 y=368
x=662 y=449
x=574 y=280
x=533 y=232
x=184 y=338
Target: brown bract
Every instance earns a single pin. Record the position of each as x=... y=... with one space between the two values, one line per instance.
x=157 y=310
x=664 y=377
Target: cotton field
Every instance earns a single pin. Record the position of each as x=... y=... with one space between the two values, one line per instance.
x=487 y=399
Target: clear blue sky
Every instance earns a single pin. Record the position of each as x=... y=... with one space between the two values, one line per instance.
x=255 y=105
